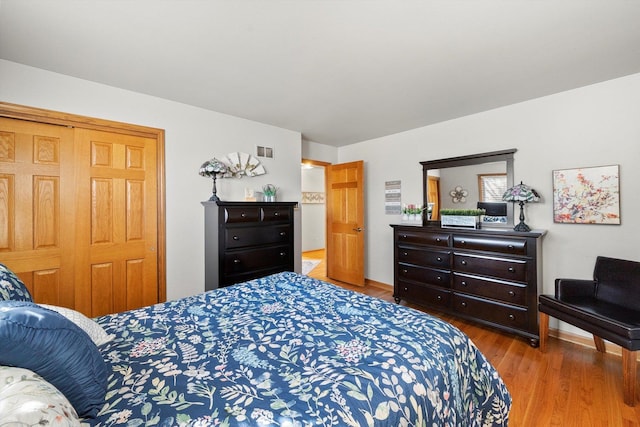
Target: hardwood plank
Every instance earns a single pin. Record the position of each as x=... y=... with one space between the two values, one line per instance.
x=568 y=385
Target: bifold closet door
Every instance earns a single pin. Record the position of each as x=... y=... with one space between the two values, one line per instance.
x=78 y=215
x=37 y=196
x=116 y=237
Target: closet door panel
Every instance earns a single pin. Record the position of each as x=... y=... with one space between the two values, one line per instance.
x=36 y=181
x=119 y=190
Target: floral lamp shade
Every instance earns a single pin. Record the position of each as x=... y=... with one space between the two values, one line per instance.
x=211 y=169
x=522 y=194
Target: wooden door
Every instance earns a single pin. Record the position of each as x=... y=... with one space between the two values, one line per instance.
x=345 y=222
x=433 y=196
x=117 y=222
x=36 y=192
x=82 y=209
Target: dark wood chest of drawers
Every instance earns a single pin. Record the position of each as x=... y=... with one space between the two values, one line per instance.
x=490 y=276
x=246 y=240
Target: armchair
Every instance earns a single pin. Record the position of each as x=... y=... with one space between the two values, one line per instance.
x=607 y=306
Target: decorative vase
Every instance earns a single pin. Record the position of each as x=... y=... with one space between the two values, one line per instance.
x=269 y=197
x=405 y=217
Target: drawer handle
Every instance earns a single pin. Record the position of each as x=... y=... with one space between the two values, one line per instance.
x=439 y=278
x=276 y=214
x=236 y=261
x=283 y=253
x=406 y=289
x=405 y=271
x=282 y=233
x=510 y=246
x=439 y=297
x=511 y=270
x=404 y=236
x=512 y=317
x=438 y=239
x=463 y=262
x=462 y=242
x=236 y=238
x=439 y=259
x=405 y=254
x=512 y=294
x=464 y=304
x=463 y=283
x=243 y=214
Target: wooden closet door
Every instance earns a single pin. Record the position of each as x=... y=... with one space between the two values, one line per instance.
x=116 y=244
x=37 y=195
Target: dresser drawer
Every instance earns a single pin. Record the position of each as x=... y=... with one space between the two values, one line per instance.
x=276 y=213
x=438 y=297
x=256 y=259
x=429 y=276
x=426 y=258
x=422 y=238
x=511 y=293
x=241 y=214
x=503 y=268
x=502 y=245
x=238 y=237
x=494 y=312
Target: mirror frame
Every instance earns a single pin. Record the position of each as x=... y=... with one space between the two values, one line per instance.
x=474 y=159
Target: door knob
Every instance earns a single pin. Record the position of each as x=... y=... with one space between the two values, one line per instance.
x=359 y=229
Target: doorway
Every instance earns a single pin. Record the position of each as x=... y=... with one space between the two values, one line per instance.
x=314 y=217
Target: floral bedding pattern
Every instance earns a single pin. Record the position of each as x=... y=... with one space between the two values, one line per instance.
x=289 y=350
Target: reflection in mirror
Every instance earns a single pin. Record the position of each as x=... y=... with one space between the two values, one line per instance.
x=463 y=182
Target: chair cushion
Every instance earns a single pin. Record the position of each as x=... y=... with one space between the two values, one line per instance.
x=617 y=320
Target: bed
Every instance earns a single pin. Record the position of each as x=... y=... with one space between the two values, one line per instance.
x=289 y=350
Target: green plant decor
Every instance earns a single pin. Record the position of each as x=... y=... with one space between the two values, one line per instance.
x=463 y=212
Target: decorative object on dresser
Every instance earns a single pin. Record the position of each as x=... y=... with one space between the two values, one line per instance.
x=269 y=192
x=461 y=218
x=490 y=276
x=246 y=240
x=211 y=169
x=522 y=194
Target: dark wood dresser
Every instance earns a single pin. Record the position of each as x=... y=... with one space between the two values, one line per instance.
x=246 y=240
x=489 y=276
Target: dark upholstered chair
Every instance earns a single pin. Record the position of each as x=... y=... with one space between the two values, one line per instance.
x=607 y=306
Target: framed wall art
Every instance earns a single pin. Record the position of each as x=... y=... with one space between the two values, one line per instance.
x=587 y=195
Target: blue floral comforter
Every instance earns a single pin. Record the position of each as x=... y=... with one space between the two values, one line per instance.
x=289 y=350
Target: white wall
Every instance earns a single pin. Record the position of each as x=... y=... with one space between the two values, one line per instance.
x=193 y=135
x=591 y=126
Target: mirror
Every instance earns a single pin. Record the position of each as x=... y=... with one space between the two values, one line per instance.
x=456 y=178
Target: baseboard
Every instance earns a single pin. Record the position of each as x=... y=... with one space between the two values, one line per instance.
x=380 y=285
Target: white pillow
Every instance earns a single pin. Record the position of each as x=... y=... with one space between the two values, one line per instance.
x=98 y=335
x=27 y=399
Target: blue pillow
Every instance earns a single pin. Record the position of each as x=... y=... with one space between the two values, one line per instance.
x=47 y=343
x=11 y=287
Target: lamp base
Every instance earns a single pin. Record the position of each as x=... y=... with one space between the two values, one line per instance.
x=522 y=227
x=214 y=198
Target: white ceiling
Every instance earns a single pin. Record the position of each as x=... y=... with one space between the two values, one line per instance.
x=338 y=71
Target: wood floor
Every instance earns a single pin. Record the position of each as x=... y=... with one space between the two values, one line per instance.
x=569 y=385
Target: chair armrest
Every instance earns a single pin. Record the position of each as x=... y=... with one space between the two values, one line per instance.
x=568 y=288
